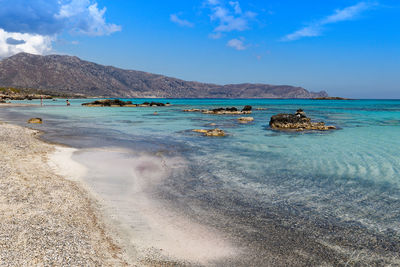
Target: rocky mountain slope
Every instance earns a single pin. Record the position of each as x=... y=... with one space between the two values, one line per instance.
x=71 y=75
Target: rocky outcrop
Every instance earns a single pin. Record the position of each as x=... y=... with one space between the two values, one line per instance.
x=247 y=108
x=9 y=93
x=35 y=120
x=120 y=103
x=213 y=132
x=222 y=111
x=298 y=121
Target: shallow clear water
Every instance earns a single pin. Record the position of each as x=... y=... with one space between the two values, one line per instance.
x=350 y=176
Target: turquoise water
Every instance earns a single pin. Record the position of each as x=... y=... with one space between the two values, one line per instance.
x=308 y=181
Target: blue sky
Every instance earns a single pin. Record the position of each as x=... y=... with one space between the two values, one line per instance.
x=348 y=48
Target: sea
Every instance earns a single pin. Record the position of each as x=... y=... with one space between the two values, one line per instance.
x=256 y=197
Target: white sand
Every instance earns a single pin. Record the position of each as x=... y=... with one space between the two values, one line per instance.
x=45 y=219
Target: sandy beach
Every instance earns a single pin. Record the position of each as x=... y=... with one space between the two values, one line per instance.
x=49 y=215
x=45 y=219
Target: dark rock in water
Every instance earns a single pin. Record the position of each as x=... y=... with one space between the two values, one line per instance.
x=298 y=121
x=331 y=98
x=300 y=113
x=247 y=108
x=222 y=111
x=157 y=104
x=106 y=103
x=218 y=109
x=231 y=109
x=120 y=103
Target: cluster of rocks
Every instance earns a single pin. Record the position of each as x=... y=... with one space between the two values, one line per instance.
x=3 y=97
x=10 y=93
x=331 y=98
x=223 y=111
x=212 y=132
x=120 y=103
x=298 y=121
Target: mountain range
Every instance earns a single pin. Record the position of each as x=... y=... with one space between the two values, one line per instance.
x=70 y=75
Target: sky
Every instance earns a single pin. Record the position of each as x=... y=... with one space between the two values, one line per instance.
x=348 y=48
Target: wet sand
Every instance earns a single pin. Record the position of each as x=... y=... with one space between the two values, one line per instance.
x=126 y=183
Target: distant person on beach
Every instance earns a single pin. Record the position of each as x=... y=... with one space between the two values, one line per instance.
x=68 y=104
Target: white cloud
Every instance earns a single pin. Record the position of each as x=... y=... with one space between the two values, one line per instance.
x=230 y=18
x=181 y=22
x=237 y=44
x=73 y=8
x=316 y=28
x=310 y=31
x=347 y=13
x=86 y=18
x=32 y=43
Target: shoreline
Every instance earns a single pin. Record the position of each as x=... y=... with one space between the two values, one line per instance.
x=107 y=238
x=46 y=218
x=270 y=232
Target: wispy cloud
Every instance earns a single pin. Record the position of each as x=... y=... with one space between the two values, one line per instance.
x=237 y=44
x=229 y=17
x=339 y=15
x=215 y=35
x=236 y=7
x=181 y=22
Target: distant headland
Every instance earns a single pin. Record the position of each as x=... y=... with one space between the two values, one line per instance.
x=68 y=75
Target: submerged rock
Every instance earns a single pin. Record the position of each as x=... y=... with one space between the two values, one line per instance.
x=298 y=121
x=212 y=132
x=194 y=110
x=35 y=120
x=245 y=119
